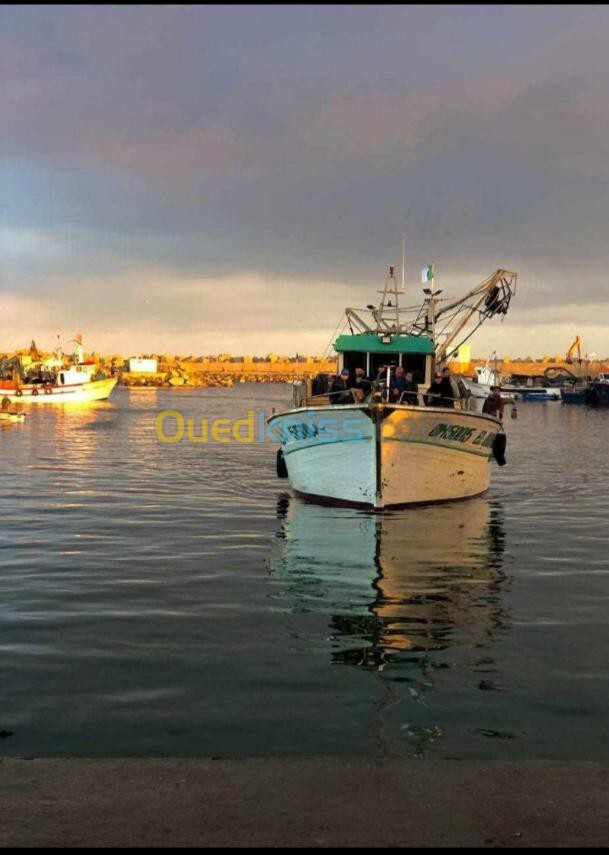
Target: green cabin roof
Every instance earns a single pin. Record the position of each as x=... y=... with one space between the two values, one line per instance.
x=372 y=343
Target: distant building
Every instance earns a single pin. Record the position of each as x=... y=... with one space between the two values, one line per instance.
x=142 y=366
x=465 y=354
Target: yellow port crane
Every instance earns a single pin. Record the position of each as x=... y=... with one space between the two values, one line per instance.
x=576 y=345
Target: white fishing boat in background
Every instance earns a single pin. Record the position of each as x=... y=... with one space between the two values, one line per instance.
x=56 y=380
x=486 y=376
x=382 y=453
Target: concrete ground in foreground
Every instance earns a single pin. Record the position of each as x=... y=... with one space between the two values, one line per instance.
x=325 y=802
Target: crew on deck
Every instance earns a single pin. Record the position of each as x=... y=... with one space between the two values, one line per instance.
x=403 y=388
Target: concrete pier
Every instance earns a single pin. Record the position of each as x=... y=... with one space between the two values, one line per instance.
x=324 y=802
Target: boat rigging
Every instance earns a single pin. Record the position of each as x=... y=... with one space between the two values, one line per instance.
x=447 y=322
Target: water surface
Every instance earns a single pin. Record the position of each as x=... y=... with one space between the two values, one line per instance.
x=177 y=600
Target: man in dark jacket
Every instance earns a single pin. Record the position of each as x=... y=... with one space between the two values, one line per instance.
x=401 y=385
x=411 y=395
x=493 y=406
x=434 y=393
x=449 y=389
x=360 y=384
x=341 y=384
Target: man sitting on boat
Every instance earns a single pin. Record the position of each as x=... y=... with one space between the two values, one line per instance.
x=403 y=388
x=360 y=385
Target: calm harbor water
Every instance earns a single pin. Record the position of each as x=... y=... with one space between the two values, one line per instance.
x=176 y=600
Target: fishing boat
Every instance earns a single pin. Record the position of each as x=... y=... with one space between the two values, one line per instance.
x=380 y=453
x=594 y=393
x=57 y=380
x=543 y=393
x=575 y=395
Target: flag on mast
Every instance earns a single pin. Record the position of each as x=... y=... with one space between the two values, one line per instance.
x=427 y=273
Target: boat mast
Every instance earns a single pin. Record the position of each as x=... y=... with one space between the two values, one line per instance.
x=389 y=301
x=430 y=319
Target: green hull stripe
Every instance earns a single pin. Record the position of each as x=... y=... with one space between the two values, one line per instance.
x=437 y=445
x=393 y=439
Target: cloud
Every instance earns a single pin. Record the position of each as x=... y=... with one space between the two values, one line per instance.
x=292 y=147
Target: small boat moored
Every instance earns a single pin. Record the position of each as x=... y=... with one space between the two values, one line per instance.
x=56 y=380
x=8 y=418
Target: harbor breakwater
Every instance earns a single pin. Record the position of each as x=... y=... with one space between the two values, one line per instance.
x=227 y=373
x=226 y=370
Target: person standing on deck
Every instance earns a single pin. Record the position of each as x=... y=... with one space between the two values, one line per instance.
x=493 y=406
x=412 y=390
x=341 y=384
x=433 y=395
x=450 y=390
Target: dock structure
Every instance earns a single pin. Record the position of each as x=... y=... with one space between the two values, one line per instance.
x=302 y=802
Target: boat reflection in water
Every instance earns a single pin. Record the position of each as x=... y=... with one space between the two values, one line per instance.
x=396 y=586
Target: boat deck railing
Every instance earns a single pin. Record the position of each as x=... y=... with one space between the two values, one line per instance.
x=352 y=396
x=330 y=398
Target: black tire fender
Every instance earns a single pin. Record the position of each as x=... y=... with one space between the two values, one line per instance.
x=282 y=469
x=499 y=444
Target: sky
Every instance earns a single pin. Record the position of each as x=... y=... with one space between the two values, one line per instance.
x=204 y=179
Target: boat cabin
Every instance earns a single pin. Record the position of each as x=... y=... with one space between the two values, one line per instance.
x=76 y=374
x=371 y=351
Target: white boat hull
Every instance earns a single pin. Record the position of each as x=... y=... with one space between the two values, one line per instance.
x=481 y=391
x=77 y=393
x=386 y=455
